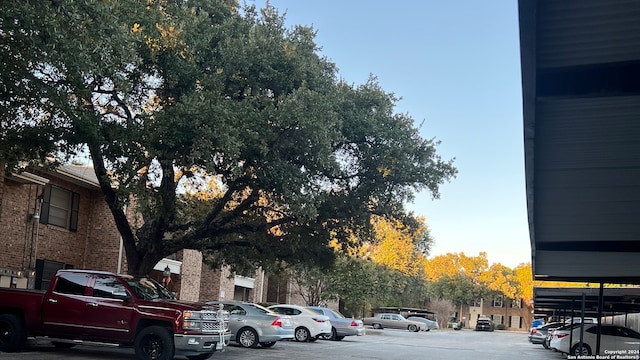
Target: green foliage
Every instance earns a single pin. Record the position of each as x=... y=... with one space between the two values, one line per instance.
x=501 y=327
x=459 y=289
x=160 y=92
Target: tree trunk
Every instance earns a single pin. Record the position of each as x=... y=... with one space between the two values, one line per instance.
x=142 y=266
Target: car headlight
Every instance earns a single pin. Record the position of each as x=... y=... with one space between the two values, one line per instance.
x=191 y=320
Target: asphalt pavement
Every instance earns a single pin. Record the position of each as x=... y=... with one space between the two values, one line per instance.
x=376 y=344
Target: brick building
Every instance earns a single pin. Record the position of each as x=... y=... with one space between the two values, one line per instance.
x=58 y=219
x=513 y=314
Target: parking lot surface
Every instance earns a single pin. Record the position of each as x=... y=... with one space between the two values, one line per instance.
x=377 y=344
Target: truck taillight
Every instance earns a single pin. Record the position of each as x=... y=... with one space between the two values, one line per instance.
x=277 y=322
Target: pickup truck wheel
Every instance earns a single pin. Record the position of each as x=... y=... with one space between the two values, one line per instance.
x=248 y=338
x=12 y=333
x=154 y=343
x=377 y=326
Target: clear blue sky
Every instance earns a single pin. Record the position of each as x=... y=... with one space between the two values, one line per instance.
x=456 y=66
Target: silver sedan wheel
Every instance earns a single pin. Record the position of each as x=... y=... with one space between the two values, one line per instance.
x=248 y=338
x=302 y=334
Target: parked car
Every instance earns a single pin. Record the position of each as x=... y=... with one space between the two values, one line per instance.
x=392 y=321
x=536 y=323
x=308 y=325
x=484 y=324
x=252 y=324
x=340 y=325
x=577 y=320
x=428 y=324
x=454 y=324
x=613 y=338
x=97 y=307
x=538 y=334
x=551 y=331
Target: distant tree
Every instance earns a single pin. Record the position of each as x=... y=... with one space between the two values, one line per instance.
x=162 y=92
x=442 y=308
x=452 y=264
x=460 y=289
x=501 y=279
x=524 y=283
x=398 y=247
x=311 y=283
x=352 y=282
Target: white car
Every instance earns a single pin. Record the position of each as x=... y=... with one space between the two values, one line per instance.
x=612 y=338
x=308 y=325
x=577 y=320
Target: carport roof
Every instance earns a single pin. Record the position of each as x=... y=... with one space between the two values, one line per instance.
x=561 y=301
x=581 y=107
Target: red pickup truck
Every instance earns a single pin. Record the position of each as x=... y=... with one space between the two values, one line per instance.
x=96 y=307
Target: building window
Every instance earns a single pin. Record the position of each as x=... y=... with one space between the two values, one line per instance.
x=45 y=272
x=60 y=208
x=497 y=319
x=477 y=302
x=516 y=303
x=497 y=301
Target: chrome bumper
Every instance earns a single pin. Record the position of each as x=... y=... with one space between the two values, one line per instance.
x=197 y=344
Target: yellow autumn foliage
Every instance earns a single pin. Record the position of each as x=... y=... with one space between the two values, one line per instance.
x=395 y=248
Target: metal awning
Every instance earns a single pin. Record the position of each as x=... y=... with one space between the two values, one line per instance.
x=567 y=302
x=581 y=107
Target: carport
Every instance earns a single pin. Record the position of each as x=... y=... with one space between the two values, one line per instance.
x=581 y=108
x=565 y=303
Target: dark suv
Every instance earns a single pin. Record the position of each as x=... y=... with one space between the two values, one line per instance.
x=484 y=324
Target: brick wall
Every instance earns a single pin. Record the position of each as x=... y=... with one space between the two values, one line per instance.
x=227 y=284
x=96 y=243
x=191 y=275
x=16 y=221
x=103 y=238
x=209 y=284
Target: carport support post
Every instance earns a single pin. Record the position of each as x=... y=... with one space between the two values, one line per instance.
x=573 y=307
x=600 y=309
x=584 y=300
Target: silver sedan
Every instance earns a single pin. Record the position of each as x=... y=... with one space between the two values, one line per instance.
x=251 y=324
x=340 y=325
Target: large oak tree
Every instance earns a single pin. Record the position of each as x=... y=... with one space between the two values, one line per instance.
x=171 y=95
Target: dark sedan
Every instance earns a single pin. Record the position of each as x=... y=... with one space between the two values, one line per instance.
x=484 y=324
